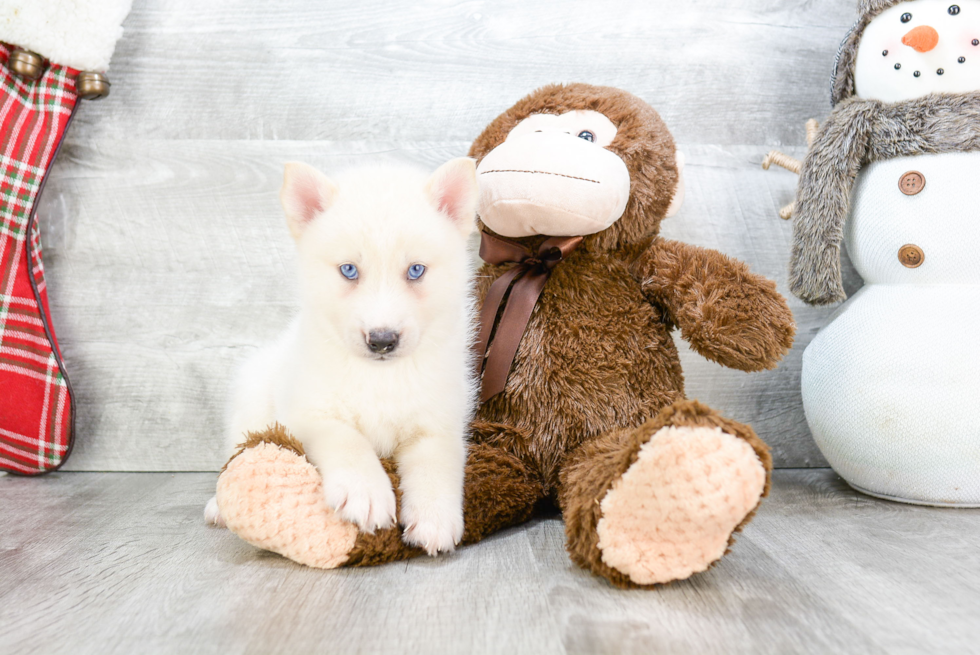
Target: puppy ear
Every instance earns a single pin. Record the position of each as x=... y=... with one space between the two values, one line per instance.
x=452 y=190
x=305 y=193
x=678 y=199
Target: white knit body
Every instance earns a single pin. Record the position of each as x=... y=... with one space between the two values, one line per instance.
x=891 y=387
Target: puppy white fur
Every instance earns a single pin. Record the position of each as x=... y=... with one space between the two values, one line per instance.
x=339 y=381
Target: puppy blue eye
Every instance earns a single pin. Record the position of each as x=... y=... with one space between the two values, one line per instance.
x=349 y=271
x=588 y=136
x=415 y=271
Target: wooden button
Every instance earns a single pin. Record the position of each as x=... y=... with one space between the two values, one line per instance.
x=912 y=183
x=911 y=256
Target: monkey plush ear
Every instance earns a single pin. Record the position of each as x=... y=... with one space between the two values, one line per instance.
x=306 y=192
x=452 y=190
x=678 y=199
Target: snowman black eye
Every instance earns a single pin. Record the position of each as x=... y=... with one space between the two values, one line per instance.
x=588 y=136
x=906 y=17
x=954 y=9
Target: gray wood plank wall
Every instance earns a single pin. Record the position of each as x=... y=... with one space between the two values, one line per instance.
x=166 y=254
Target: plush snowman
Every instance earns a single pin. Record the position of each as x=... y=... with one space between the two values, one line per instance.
x=891 y=387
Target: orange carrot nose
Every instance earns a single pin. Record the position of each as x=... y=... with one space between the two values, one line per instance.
x=923 y=38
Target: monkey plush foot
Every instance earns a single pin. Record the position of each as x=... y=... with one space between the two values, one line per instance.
x=672 y=513
x=272 y=497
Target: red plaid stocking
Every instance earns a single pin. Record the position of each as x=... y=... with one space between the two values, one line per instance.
x=36 y=404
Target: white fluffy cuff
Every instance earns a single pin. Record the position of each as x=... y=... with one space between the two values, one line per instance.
x=77 y=33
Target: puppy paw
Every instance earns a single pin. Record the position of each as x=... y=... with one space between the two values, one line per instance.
x=436 y=527
x=212 y=515
x=362 y=497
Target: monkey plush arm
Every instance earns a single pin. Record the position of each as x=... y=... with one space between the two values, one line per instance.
x=727 y=313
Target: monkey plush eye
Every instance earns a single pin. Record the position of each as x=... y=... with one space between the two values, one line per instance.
x=954 y=9
x=415 y=271
x=349 y=271
x=906 y=17
x=588 y=136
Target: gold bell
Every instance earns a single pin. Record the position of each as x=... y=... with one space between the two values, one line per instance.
x=91 y=86
x=26 y=64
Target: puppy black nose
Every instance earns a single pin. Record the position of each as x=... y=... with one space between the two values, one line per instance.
x=382 y=342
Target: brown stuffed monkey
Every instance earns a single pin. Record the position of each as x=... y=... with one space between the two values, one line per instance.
x=583 y=395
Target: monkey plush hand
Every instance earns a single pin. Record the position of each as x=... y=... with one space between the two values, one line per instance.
x=583 y=394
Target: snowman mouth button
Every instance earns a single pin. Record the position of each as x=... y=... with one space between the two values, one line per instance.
x=912 y=183
x=911 y=256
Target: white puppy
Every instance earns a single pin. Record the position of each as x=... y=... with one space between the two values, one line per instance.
x=378 y=362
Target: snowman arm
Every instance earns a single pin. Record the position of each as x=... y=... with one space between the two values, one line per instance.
x=727 y=313
x=823 y=201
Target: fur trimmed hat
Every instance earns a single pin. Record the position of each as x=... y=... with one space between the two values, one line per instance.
x=842 y=83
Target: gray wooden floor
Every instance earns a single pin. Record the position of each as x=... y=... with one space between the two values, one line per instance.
x=122 y=563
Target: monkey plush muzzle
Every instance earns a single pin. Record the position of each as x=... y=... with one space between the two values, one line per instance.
x=551 y=182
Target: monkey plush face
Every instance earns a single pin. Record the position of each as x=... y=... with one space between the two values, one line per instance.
x=553 y=175
x=578 y=160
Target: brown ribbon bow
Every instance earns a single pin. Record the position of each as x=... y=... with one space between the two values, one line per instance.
x=531 y=273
